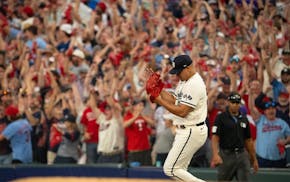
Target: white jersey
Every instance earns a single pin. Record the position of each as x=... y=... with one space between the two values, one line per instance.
x=193 y=94
x=111 y=135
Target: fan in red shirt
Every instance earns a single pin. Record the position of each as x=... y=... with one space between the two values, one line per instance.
x=91 y=132
x=217 y=107
x=137 y=130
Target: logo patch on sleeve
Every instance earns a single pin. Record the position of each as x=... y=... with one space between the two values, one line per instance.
x=214 y=128
x=243 y=125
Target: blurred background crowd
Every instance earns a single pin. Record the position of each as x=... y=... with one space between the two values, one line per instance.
x=72 y=75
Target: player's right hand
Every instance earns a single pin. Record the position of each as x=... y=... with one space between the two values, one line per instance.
x=216 y=160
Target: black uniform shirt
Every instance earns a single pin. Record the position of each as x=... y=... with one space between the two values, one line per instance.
x=232 y=131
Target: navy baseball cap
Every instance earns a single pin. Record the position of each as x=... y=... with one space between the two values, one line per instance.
x=234 y=97
x=286 y=52
x=68 y=117
x=285 y=71
x=179 y=63
x=269 y=104
x=226 y=80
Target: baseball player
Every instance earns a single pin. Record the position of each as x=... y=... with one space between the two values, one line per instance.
x=189 y=105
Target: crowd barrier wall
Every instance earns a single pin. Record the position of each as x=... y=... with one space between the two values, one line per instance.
x=12 y=172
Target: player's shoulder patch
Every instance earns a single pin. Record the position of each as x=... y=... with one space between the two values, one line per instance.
x=214 y=129
x=243 y=125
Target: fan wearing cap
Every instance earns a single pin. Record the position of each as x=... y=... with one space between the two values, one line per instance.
x=18 y=133
x=102 y=13
x=78 y=63
x=273 y=134
x=282 y=62
x=285 y=76
x=68 y=151
x=62 y=41
x=230 y=137
x=226 y=85
x=278 y=86
x=111 y=132
x=233 y=70
x=189 y=104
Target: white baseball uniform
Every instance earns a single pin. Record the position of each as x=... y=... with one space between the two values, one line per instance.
x=111 y=135
x=191 y=132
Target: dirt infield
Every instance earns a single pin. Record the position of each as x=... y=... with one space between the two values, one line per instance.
x=83 y=179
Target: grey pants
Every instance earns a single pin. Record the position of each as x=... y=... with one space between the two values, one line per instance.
x=235 y=165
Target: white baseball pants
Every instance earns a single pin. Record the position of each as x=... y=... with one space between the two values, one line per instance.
x=187 y=141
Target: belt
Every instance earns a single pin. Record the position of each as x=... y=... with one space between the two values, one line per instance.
x=186 y=126
x=111 y=153
x=235 y=150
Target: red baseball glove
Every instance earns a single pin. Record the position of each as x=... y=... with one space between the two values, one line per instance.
x=154 y=86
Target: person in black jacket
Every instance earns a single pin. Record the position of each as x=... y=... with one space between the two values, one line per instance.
x=231 y=136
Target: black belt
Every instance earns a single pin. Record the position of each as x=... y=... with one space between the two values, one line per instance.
x=111 y=153
x=235 y=150
x=185 y=126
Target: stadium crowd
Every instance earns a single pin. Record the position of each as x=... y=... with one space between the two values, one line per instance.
x=73 y=75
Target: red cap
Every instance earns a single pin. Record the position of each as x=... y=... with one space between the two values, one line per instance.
x=116 y=58
x=28 y=11
x=102 y=6
x=11 y=111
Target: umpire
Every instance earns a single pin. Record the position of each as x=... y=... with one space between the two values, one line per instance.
x=231 y=136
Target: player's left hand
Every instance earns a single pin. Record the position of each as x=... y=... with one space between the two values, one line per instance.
x=154 y=85
x=255 y=166
x=216 y=160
